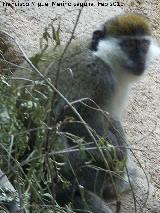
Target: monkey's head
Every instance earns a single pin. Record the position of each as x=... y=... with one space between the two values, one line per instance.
x=125 y=43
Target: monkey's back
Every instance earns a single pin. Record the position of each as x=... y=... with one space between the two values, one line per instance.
x=81 y=73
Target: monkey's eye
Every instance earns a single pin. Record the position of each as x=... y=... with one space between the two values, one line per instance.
x=128 y=45
x=145 y=44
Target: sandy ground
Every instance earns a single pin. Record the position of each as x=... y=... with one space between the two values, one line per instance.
x=142 y=117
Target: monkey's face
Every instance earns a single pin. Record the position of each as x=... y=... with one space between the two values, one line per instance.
x=136 y=50
x=127 y=54
x=125 y=43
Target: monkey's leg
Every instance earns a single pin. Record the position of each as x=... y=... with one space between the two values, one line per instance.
x=123 y=183
x=116 y=137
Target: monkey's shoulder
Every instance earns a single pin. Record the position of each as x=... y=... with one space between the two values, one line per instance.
x=81 y=74
x=78 y=63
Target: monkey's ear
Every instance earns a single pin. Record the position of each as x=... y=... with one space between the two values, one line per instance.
x=97 y=35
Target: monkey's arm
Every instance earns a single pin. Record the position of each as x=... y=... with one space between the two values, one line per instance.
x=86 y=159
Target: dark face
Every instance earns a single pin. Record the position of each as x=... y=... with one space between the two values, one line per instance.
x=136 y=50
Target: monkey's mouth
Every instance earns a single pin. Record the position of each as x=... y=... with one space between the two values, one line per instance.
x=137 y=69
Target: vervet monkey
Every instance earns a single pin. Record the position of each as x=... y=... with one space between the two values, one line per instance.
x=95 y=76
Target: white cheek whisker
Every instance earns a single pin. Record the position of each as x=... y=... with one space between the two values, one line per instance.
x=153 y=52
x=109 y=51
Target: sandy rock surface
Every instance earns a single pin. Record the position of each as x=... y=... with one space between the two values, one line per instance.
x=142 y=119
